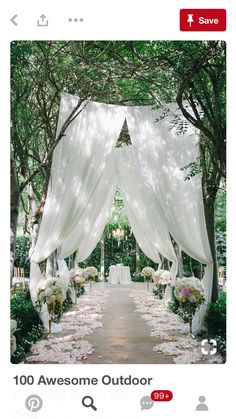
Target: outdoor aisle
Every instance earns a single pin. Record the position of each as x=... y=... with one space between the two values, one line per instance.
x=125 y=335
x=119 y=324
x=139 y=329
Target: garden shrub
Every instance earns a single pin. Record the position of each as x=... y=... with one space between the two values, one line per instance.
x=137 y=278
x=29 y=325
x=216 y=318
x=216 y=322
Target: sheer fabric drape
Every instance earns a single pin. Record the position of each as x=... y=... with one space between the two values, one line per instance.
x=79 y=162
x=87 y=167
x=167 y=145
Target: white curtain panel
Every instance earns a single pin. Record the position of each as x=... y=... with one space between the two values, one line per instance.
x=78 y=163
x=86 y=168
x=146 y=221
x=163 y=154
x=92 y=222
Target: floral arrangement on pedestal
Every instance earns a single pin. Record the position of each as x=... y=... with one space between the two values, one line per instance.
x=77 y=278
x=147 y=273
x=162 y=279
x=90 y=274
x=191 y=294
x=52 y=292
x=13 y=338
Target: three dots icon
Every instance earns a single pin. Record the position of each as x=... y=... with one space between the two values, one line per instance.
x=75 y=20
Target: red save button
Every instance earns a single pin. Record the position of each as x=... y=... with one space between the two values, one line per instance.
x=202 y=20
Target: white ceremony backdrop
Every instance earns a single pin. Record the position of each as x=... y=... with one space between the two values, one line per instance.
x=86 y=170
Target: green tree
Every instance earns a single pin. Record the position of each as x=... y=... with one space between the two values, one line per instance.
x=133 y=73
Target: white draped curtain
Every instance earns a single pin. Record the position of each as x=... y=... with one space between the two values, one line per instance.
x=166 y=146
x=146 y=221
x=87 y=168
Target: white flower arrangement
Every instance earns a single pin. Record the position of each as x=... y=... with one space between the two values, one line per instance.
x=147 y=272
x=191 y=294
x=52 y=292
x=90 y=272
x=162 y=277
x=77 y=278
x=189 y=290
x=156 y=275
x=77 y=275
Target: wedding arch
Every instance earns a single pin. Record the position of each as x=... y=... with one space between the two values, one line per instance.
x=151 y=173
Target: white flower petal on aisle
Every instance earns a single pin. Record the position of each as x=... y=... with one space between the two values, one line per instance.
x=167 y=326
x=81 y=321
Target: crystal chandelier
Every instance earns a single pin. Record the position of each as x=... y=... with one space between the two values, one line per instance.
x=118 y=233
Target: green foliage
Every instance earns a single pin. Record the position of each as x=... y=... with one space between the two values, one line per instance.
x=191 y=267
x=220 y=225
x=115 y=252
x=58 y=311
x=121 y=72
x=29 y=325
x=22 y=253
x=137 y=278
x=93 y=259
x=216 y=318
x=216 y=322
x=175 y=306
x=123 y=252
x=145 y=261
x=80 y=291
x=159 y=291
x=220 y=210
x=221 y=248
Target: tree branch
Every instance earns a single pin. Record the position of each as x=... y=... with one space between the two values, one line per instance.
x=61 y=134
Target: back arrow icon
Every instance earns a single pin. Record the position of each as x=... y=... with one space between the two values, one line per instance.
x=13 y=20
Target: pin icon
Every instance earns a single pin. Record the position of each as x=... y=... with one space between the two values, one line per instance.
x=190 y=19
x=34 y=403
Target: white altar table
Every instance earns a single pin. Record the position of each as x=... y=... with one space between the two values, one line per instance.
x=119 y=274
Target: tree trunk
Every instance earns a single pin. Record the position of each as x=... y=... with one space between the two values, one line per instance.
x=102 y=259
x=180 y=263
x=72 y=260
x=50 y=267
x=178 y=254
x=137 y=258
x=15 y=203
x=210 y=223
